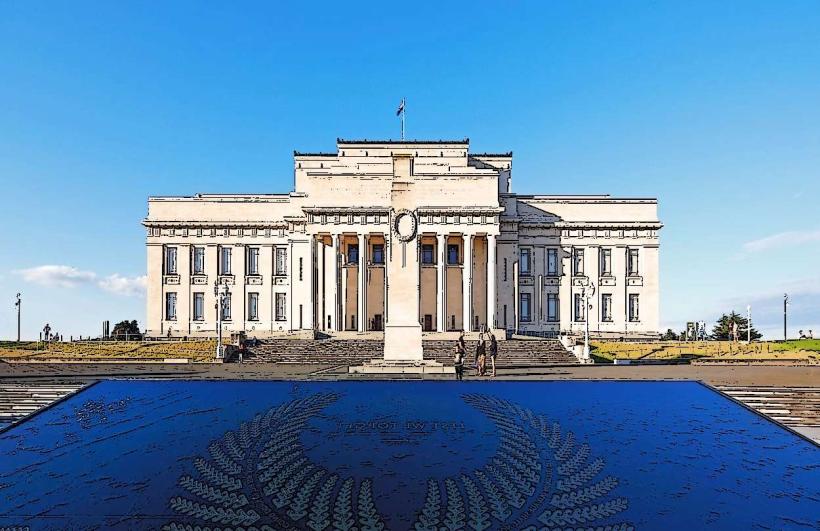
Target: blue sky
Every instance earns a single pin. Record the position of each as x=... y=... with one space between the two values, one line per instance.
x=714 y=108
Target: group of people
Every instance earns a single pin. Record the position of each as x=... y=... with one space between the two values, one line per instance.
x=808 y=335
x=487 y=346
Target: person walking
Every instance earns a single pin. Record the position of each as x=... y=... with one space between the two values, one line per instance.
x=493 y=350
x=481 y=354
x=460 y=353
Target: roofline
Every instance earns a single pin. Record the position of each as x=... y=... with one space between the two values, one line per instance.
x=211 y=197
x=507 y=155
x=315 y=154
x=585 y=197
x=390 y=141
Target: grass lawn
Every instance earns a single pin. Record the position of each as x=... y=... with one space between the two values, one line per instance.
x=802 y=349
x=107 y=350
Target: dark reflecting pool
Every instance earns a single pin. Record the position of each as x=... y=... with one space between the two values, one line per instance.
x=420 y=455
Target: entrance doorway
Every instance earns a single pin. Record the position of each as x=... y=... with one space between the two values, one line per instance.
x=428 y=323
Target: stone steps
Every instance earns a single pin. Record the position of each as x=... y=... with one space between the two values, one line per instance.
x=793 y=406
x=19 y=400
x=511 y=353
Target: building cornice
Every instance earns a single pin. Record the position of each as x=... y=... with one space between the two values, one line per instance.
x=346 y=210
x=369 y=142
x=507 y=155
x=159 y=223
x=460 y=210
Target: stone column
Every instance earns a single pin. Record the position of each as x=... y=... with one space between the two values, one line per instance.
x=491 y=304
x=565 y=311
x=441 y=250
x=360 y=283
x=320 y=321
x=466 y=283
x=337 y=244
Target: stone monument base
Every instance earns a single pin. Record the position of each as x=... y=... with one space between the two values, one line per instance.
x=403 y=343
x=381 y=366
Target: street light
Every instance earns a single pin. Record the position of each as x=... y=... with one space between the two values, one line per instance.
x=785 y=305
x=220 y=291
x=586 y=293
x=17 y=305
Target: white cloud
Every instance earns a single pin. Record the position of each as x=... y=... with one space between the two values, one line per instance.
x=57 y=275
x=782 y=239
x=70 y=277
x=128 y=286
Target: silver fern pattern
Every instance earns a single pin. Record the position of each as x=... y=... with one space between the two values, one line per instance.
x=258 y=477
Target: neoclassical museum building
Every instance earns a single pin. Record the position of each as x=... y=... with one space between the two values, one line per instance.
x=378 y=231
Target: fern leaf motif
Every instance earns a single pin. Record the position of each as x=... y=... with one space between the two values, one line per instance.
x=299 y=505
x=477 y=517
x=582 y=515
x=369 y=519
x=320 y=510
x=455 y=517
x=500 y=510
x=430 y=514
x=343 y=508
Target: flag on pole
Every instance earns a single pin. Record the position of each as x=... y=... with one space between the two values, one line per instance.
x=401 y=108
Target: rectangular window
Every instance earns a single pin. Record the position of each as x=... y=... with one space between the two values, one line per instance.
x=253 y=260
x=579 y=308
x=378 y=253
x=634 y=315
x=171 y=306
x=353 y=253
x=505 y=270
x=552 y=261
x=552 y=307
x=253 y=306
x=525 y=261
x=281 y=314
x=427 y=254
x=452 y=254
x=226 y=307
x=281 y=261
x=199 y=306
x=606 y=262
x=632 y=262
x=301 y=268
x=526 y=316
x=170 y=260
x=199 y=261
x=606 y=307
x=578 y=262
x=224 y=260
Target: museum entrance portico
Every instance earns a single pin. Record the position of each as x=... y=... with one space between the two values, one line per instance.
x=456 y=281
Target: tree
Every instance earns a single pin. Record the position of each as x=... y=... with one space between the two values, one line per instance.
x=126 y=329
x=723 y=328
x=669 y=335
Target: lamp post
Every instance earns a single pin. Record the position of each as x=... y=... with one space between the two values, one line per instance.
x=785 y=305
x=220 y=290
x=586 y=293
x=17 y=305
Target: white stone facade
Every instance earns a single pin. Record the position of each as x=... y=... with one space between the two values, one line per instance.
x=316 y=258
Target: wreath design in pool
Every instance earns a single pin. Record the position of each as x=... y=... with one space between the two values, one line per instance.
x=259 y=478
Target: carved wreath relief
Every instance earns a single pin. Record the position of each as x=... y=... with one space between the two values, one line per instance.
x=259 y=478
x=405 y=225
